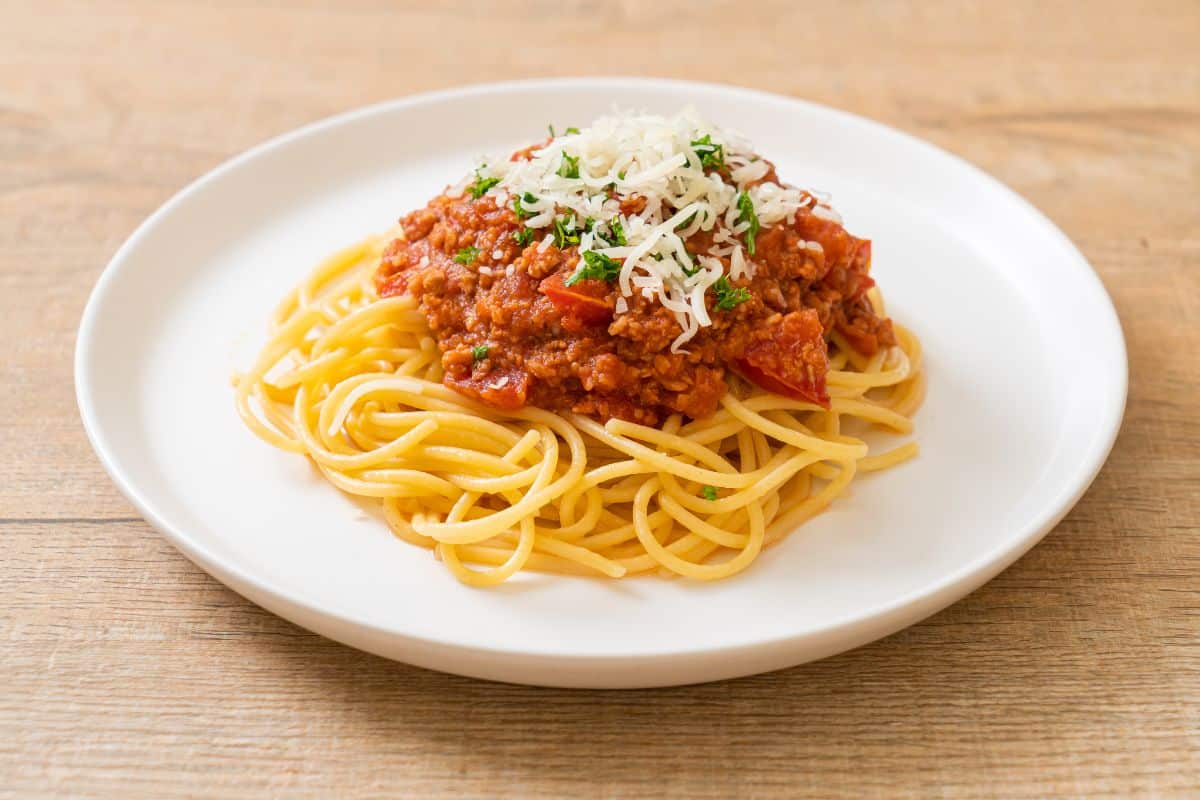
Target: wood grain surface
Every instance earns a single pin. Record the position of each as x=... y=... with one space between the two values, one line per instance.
x=125 y=671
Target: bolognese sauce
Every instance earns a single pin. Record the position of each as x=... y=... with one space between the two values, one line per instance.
x=523 y=317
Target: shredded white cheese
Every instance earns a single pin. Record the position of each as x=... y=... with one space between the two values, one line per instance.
x=580 y=180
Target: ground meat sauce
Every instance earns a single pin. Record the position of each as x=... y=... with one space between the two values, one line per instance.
x=563 y=348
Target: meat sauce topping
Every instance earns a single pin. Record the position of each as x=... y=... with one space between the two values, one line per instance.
x=518 y=326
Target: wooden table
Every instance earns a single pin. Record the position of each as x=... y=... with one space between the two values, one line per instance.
x=125 y=671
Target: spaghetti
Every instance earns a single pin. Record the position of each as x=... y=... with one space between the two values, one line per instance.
x=353 y=380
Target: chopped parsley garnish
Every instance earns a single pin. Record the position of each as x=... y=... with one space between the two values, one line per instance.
x=523 y=236
x=746 y=214
x=589 y=224
x=729 y=296
x=709 y=492
x=618 y=232
x=687 y=221
x=569 y=168
x=467 y=255
x=615 y=236
x=520 y=210
x=571 y=130
x=621 y=175
x=710 y=155
x=595 y=265
x=689 y=271
x=565 y=232
x=479 y=352
x=553 y=135
x=481 y=185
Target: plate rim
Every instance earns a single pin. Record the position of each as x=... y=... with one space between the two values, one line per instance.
x=901 y=611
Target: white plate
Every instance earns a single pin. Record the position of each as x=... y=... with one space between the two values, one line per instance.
x=1026 y=364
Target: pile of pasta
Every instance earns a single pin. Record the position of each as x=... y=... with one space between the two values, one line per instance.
x=354 y=382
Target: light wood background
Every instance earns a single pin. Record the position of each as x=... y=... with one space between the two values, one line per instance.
x=125 y=671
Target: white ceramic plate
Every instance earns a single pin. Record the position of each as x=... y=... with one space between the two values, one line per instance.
x=1026 y=364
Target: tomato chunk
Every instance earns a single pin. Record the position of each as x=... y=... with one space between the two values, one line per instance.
x=394 y=284
x=791 y=359
x=584 y=302
x=860 y=264
x=505 y=389
x=836 y=243
x=863 y=282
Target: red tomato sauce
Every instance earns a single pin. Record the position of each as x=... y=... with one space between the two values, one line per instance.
x=564 y=348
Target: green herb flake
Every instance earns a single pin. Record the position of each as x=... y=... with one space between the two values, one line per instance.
x=479 y=352
x=571 y=130
x=712 y=156
x=746 y=214
x=523 y=237
x=569 y=168
x=565 y=232
x=729 y=296
x=553 y=135
x=519 y=209
x=688 y=221
x=709 y=492
x=467 y=255
x=481 y=185
x=618 y=232
x=595 y=265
